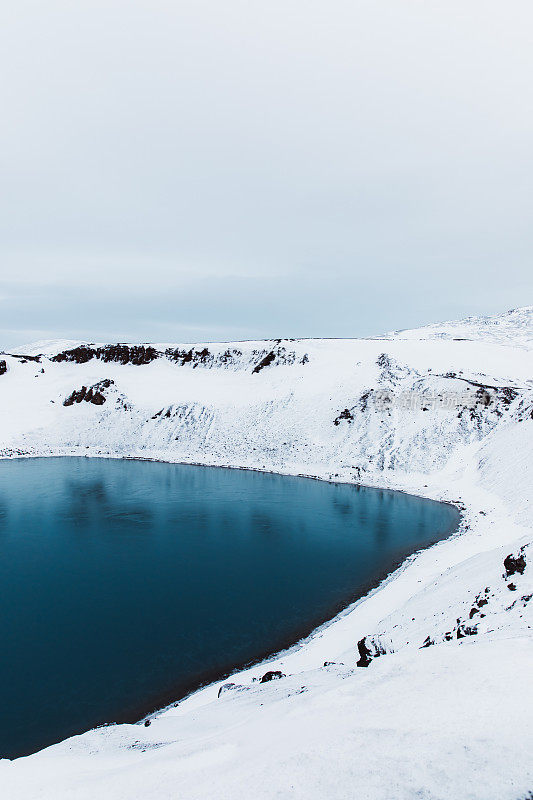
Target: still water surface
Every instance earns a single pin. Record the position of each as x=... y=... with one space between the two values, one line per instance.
x=124 y=584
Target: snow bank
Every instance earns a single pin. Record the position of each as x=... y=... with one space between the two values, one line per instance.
x=443 y=709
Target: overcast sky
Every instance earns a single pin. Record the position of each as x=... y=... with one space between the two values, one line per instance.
x=196 y=169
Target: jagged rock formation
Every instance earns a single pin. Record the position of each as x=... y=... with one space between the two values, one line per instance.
x=94 y=394
x=119 y=353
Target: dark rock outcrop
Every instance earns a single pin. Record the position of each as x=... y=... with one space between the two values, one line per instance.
x=25 y=358
x=346 y=414
x=272 y=675
x=79 y=355
x=278 y=356
x=118 y=353
x=265 y=362
x=365 y=654
x=94 y=394
x=124 y=354
x=465 y=630
x=514 y=564
x=196 y=357
x=3 y=367
x=369 y=649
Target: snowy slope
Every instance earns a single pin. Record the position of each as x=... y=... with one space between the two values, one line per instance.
x=443 y=709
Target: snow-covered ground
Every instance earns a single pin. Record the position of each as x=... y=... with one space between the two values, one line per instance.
x=443 y=710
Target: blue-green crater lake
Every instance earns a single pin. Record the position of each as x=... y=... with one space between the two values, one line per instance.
x=126 y=584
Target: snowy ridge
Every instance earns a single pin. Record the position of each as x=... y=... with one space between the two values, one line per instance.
x=443 y=708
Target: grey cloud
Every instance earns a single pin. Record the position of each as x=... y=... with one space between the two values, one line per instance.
x=294 y=168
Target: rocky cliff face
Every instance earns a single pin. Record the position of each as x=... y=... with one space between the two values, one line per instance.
x=118 y=353
x=139 y=355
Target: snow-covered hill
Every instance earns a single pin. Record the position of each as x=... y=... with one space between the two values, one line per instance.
x=513 y=328
x=444 y=708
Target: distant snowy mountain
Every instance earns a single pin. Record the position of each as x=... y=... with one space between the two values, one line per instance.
x=443 y=710
x=514 y=327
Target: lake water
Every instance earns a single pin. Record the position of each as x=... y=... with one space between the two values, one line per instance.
x=125 y=584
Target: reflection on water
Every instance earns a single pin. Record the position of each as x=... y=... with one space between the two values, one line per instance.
x=124 y=584
x=83 y=500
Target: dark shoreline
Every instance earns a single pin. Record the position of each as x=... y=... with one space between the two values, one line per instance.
x=180 y=692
